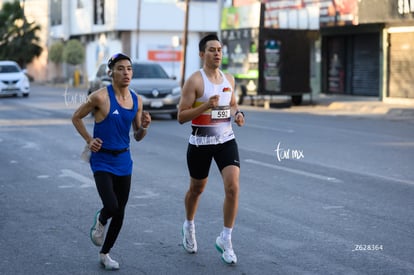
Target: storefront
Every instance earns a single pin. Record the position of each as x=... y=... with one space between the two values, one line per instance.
x=268 y=55
x=351 y=60
x=368 y=48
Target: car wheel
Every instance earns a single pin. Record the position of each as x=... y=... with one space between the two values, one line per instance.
x=297 y=100
x=26 y=95
x=174 y=115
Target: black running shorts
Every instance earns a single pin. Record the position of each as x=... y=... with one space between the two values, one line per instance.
x=199 y=157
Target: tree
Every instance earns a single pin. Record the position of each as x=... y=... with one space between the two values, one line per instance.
x=18 y=38
x=56 y=52
x=74 y=53
x=56 y=56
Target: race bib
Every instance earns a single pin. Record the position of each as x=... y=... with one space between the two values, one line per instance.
x=220 y=113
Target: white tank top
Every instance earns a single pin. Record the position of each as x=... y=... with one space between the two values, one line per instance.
x=214 y=125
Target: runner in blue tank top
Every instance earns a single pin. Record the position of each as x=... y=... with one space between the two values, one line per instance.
x=115 y=109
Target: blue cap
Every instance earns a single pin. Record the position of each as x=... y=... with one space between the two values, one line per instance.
x=115 y=58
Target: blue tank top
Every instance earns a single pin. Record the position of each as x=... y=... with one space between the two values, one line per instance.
x=114 y=132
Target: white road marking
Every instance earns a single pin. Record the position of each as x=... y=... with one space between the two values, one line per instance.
x=66 y=186
x=290 y=131
x=330 y=207
x=34 y=122
x=388 y=178
x=31 y=145
x=294 y=171
x=147 y=194
x=87 y=182
x=141 y=244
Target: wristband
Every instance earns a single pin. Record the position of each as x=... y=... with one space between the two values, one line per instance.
x=238 y=112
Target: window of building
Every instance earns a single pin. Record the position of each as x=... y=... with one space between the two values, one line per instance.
x=55 y=12
x=99 y=12
x=79 y=4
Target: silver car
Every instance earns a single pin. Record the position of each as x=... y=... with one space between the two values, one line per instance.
x=13 y=80
x=160 y=93
x=100 y=79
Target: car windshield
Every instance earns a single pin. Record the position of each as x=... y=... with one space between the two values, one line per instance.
x=101 y=71
x=9 y=69
x=148 y=71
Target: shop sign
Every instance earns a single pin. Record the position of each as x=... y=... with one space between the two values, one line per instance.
x=164 y=55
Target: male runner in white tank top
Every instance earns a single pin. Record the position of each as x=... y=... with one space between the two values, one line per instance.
x=208 y=101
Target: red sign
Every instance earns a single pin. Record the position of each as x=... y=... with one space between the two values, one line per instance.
x=164 y=55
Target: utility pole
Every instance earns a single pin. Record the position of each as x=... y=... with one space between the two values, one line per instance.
x=185 y=36
x=138 y=30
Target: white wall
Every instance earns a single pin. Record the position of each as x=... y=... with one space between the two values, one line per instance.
x=125 y=14
x=162 y=40
x=159 y=22
x=151 y=24
x=98 y=53
x=37 y=11
x=171 y=16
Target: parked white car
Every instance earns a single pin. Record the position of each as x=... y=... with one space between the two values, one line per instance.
x=13 y=80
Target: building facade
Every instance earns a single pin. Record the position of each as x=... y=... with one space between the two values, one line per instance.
x=366 y=47
x=143 y=29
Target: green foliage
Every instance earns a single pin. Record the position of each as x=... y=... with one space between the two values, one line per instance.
x=18 y=39
x=74 y=53
x=56 y=52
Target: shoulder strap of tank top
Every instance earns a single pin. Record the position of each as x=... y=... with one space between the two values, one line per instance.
x=134 y=98
x=111 y=92
x=113 y=103
x=203 y=74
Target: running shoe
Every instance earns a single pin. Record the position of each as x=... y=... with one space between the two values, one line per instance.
x=97 y=231
x=107 y=262
x=226 y=250
x=189 y=240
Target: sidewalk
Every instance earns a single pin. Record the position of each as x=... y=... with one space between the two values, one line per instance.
x=401 y=109
x=346 y=105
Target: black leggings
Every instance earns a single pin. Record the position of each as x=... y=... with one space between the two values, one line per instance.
x=114 y=193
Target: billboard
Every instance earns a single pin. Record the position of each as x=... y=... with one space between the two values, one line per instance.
x=310 y=14
x=338 y=12
x=246 y=16
x=240 y=52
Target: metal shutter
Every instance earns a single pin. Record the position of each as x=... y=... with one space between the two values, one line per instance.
x=365 y=65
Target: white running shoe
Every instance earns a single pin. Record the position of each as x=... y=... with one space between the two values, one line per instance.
x=107 y=262
x=189 y=240
x=226 y=248
x=97 y=231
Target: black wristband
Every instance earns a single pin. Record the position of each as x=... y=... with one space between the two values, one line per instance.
x=238 y=112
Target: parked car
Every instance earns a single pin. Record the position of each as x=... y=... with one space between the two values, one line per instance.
x=100 y=79
x=13 y=80
x=160 y=93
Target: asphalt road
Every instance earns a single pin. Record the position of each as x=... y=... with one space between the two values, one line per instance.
x=320 y=194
